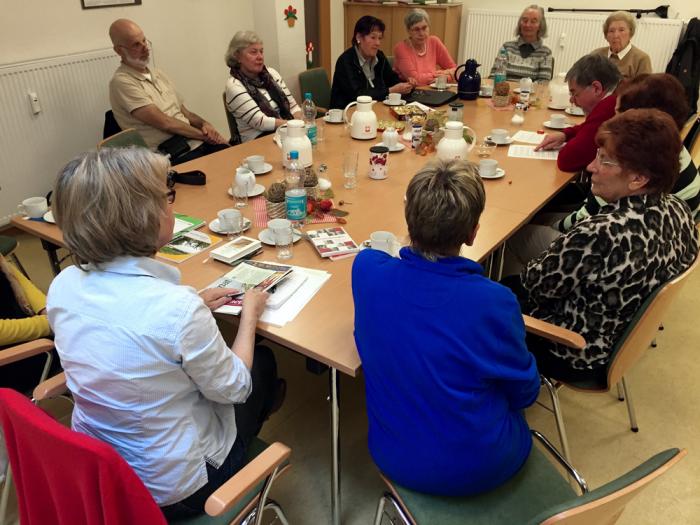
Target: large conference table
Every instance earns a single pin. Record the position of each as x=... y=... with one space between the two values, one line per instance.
x=323 y=330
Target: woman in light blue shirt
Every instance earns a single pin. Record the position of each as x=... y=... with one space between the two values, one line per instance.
x=148 y=368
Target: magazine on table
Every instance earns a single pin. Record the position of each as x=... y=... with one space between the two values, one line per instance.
x=185 y=223
x=330 y=242
x=188 y=244
x=247 y=275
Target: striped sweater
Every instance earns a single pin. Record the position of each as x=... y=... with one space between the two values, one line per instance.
x=537 y=65
x=250 y=119
x=687 y=188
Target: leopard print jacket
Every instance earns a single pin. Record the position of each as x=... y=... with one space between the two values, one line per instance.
x=594 y=278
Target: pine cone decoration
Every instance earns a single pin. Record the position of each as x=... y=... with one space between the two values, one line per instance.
x=275 y=193
x=310 y=178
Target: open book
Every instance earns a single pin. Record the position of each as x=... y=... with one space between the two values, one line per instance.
x=250 y=274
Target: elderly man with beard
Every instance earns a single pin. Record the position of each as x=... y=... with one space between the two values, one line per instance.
x=145 y=99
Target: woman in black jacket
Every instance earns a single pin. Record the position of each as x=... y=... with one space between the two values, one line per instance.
x=363 y=69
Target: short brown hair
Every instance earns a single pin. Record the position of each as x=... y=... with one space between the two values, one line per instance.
x=659 y=90
x=109 y=203
x=444 y=201
x=644 y=141
x=620 y=16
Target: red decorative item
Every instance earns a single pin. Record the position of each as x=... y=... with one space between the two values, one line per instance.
x=290 y=15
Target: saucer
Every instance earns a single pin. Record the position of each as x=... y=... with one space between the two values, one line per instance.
x=576 y=112
x=509 y=140
x=266 y=237
x=258 y=189
x=329 y=121
x=214 y=226
x=447 y=85
x=559 y=108
x=399 y=103
x=399 y=147
x=548 y=124
x=48 y=217
x=500 y=172
x=267 y=168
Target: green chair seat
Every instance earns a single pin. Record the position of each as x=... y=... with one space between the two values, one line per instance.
x=257 y=446
x=315 y=81
x=536 y=486
x=124 y=139
x=7 y=245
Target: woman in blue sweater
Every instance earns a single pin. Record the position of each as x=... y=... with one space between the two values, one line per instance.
x=447 y=372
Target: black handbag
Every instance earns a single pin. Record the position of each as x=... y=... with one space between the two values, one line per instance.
x=175 y=146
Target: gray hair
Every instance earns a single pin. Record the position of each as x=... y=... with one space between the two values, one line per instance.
x=239 y=42
x=590 y=68
x=109 y=203
x=542 y=31
x=620 y=16
x=415 y=16
x=444 y=201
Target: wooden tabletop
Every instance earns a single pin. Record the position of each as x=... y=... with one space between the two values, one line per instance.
x=323 y=330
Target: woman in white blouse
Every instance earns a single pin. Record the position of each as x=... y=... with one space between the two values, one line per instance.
x=256 y=95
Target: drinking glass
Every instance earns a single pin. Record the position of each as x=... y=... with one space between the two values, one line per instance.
x=240 y=195
x=283 y=235
x=350 y=169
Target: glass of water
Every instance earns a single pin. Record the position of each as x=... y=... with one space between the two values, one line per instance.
x=350 y=169
x=284 y=237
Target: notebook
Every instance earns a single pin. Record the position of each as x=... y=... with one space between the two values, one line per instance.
x=431 y=97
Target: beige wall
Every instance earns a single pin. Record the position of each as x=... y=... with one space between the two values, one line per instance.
x=189 y=39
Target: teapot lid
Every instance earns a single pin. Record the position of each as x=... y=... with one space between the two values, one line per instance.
x=295 y=123
x=363 y=99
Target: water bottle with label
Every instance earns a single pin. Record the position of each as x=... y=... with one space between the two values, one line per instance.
x=308 y=109
x=500 y=67
x=295 y=194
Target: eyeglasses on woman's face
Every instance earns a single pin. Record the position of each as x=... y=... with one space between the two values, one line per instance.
x=604 y=160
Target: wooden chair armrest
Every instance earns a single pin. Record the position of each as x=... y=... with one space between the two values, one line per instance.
x=25 y=350
x=52 y=387
x=554 y=333
x=245 y=479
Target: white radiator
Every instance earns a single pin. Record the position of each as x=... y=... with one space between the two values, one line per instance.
x=73 y=92
x=571 y=35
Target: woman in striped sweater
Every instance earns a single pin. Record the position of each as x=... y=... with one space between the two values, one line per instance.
x=256 y=95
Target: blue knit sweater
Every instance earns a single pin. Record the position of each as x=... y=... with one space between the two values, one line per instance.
x=446 y=369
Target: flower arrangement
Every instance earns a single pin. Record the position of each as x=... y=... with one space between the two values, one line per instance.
x=290 y=15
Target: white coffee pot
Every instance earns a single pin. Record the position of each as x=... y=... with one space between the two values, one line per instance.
x=559 y=92
x=363 y=124
x=292 y=137
x=453 y=145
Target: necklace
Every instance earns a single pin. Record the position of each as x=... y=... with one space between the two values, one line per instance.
x=420 y=53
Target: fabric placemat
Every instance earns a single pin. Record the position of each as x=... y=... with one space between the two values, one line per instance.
x=261 y=218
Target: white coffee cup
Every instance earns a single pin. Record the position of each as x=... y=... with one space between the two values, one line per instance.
x=335 y=115
x=557 y=120
x=229 y=220
x=383 y=241
x=488 y=167
x=499 y=136
x=34 y=207
x=441 y=82
x=255 y=163
x=394 y=98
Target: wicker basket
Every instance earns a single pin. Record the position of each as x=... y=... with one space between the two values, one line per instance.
x=276 y=210
x=501 y=101
x=312 y=192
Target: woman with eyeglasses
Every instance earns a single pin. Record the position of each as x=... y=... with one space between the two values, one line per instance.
x=149 y=370
x=422 y=57
x=363 y=68
x=595 y=277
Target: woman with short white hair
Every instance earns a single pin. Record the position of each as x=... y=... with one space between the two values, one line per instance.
x=422 y=57
x=618 y=30
x=256 y=95
x=528 y=56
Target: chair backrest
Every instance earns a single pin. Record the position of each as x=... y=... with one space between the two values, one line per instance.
x=605 y=504
x=390 y=60
x=692 y=142
x=643 y=327
x=111 y=126
x=62 y=476
x=232 y=125
x=123 y=139
x=315 y=81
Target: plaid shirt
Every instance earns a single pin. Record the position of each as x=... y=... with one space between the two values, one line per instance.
x=527 y=60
